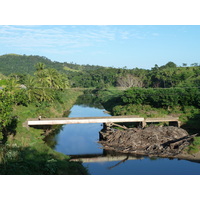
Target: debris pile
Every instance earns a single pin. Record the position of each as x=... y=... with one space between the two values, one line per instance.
x=152 y=141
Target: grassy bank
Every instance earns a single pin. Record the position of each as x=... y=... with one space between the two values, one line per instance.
x=25 y=151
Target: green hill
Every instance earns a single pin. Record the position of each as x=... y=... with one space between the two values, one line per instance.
x=166 y=76
x=14 y=63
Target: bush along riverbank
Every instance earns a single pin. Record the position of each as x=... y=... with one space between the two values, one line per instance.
x=22 y=150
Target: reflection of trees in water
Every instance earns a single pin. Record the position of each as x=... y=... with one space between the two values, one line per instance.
x=89 y=100
x=50 y=139
x=86 y=100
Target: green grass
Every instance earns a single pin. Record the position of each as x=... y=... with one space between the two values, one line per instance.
x=195 y=146
x=140 y=110
x=25 y=152
x=19 y=160
x=70 y=69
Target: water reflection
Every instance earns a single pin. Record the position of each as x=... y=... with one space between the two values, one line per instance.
x=146 y=166
x=76 y=139
x=89 y=100
x=105 y=156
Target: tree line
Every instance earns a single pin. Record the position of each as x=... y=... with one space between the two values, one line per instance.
x=165 y=76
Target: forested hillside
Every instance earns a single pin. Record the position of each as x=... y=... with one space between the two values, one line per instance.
x=166 y=76
x=14 y=63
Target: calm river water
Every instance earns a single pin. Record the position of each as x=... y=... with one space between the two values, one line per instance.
x=80 y=140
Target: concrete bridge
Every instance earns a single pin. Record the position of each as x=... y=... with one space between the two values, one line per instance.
x=105 y=120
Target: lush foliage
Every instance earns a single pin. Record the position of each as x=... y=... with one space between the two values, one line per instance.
x=45 y=87
x=19 y=66
x=6 y=102
x=23 y=151
x=45 y=84
x=36 y=160
x=168 y=75
x=23 y=64
x=162 y=98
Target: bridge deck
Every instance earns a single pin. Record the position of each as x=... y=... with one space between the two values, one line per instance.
x=109 y=119
x=84 y=120
x=167 y=119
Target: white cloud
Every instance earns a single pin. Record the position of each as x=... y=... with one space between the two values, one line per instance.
x=53 y=36
x=61 y=39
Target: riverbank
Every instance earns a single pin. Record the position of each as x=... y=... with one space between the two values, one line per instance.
x=25 y=151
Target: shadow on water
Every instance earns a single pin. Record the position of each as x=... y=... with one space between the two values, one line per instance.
x=50 y=138
x=28 y=161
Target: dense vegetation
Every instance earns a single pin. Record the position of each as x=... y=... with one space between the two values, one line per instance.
x=168 y=75
x=162 y=98
x=23 y=64
x=32 y=85
x=45 y=87
x=24 y=151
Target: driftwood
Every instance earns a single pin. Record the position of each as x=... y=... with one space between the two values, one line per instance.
x=113 y=124
x=158 y=141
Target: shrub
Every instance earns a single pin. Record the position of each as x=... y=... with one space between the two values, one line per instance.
x=162 y=97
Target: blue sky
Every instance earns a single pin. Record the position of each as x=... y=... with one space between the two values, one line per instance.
x=110 y=45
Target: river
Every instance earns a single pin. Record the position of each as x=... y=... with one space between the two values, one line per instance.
x=80 y=141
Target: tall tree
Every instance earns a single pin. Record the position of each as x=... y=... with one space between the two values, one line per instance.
x=129 y=81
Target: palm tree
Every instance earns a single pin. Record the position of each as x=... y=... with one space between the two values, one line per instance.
x=37 y=93
x=32 y=88
x=41 y=86
x=53 y=78
x=40 y=66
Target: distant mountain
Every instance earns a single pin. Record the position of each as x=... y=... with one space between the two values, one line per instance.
x=14 y=63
